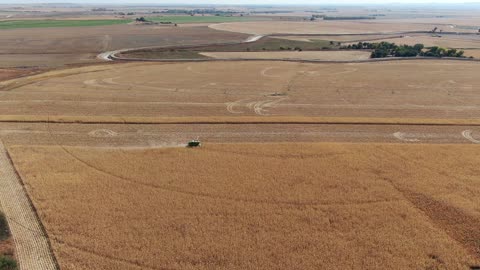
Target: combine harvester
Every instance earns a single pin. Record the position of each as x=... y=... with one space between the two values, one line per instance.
x=194 y=143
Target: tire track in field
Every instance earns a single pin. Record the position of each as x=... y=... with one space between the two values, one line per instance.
x=258 y=107
x=208 y=195
x=458 y=225
x=265 y=71
x=190 y=193
x=467 y=134
x=31 y=242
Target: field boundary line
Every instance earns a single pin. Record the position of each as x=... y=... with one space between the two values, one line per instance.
x=33 y=248
x=237 y=120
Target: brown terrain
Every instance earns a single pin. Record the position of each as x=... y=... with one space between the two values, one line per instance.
x=53 y=47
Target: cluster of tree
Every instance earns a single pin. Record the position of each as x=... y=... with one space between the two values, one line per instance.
x=101 y=9
x=289 y=49
x=314 y=17
x=123 y=13
x=436 y=51
x=387 y=49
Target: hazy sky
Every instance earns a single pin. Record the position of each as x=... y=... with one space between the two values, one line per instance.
x=228 y=2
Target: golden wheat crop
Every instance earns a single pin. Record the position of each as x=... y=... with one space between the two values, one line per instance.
x=258 y=206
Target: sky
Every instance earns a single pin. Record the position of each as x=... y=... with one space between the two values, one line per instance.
x=233 y=2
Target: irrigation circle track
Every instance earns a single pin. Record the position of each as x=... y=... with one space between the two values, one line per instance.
x=467 y=134
x=102 y=133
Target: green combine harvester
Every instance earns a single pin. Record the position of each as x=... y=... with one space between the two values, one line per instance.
x=194 y=143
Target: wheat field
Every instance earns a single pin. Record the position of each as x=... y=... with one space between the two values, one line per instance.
x=258 y=206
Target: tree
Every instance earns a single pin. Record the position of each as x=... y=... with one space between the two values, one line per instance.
x=418 y=47
x=460 y=54
x=379 y=53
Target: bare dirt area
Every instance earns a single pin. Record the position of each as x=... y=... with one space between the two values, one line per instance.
x=11 y=73
x=53 y=46
x=45 y=60
x=328 y=27
x=312 y=55
x=238 y=206
x=403 y=89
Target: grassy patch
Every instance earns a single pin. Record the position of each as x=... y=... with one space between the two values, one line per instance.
x=277 y=44
x=7 y=263
x=198 y=19
x=264 y=44
x=4 y=231
x=169 y=54
x=57 y=23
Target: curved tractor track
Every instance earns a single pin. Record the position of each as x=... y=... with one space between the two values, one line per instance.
x=113 y=55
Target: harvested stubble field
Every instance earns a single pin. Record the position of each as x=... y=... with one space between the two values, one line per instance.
x=445 y=41
x=201 y=19
x=304 y=55
x=404 y=89
x=258 y=206
x=104 y=38
x=329 y=27
x=14 y=24
x=342 y=38
x=473 y=53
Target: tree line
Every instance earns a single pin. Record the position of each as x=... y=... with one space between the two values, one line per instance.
x=387 y=49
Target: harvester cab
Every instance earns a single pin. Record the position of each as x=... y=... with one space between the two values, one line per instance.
x=194 y=143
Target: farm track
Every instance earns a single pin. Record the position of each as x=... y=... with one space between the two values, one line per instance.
x=32 y=245
x=173 y=135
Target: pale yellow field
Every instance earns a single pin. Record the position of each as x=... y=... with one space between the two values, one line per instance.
x=444 y=41
x=327 y=27
x=404 y=89
x=304 y=55
x=474 y=53
x=456 y=22
x=342 y=38
x=258 y=206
